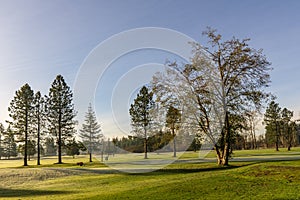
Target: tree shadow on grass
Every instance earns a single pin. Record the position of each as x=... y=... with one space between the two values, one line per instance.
x=8 y=192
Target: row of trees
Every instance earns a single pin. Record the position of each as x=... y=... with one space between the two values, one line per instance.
x=162 y=141
x=280 y=127
x=8 y=146
x=34 y=115
x=47 y=120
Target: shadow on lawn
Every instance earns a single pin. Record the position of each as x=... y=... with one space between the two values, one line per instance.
x=7 y=192
x=175 y=170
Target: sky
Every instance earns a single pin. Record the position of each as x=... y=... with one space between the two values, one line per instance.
x=41 y=39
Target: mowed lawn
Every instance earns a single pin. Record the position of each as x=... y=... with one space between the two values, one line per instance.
x=242 y=180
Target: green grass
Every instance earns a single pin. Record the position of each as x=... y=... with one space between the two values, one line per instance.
x=180 y=180
x=245 y=180
x=68 y=161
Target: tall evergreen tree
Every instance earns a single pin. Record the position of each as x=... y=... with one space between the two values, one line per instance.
x=272 y=119
x=90 y=131
x=60 y=113
x=140 y=114
x=288 y=127
x=38 y=121
x=20 y=111
x=173 y=120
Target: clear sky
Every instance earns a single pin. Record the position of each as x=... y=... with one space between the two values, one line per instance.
x=40 y=39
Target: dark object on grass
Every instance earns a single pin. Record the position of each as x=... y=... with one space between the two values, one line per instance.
x=80 y=163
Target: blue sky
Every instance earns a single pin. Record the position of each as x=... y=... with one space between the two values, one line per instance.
x=40 y=39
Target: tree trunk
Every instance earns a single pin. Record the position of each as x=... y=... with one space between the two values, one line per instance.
x=145 y=148
x=174 y=143
x=59 y=140
x=277 y=138
x=145 y=143
x=219 y=158
x=38 y=143
x=90 y=144
x=26 y=138
x=225 y=156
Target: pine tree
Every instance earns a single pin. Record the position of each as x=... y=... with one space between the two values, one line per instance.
x=173 y=120
x=9 y=144
x=20 y=111
x=90 y=132
x=272 y=119
x=140 y=114
x=50 y=148
x=38 y=121
x=60 y=113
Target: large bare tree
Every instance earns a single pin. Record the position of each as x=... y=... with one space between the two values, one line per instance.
x=223 y=82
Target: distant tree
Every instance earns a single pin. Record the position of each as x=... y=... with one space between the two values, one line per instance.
x=20 y=111
x=288 y=127
x=60 y=113
x=251 y=121
x=50 y=148
x=9 y=144
x=31 y=148
x=1 y=138
x=90 y=131
x=38 y=119
x=272 y=119
x=173 y=120
x=73 y=147
x=195 y=145
x=140 y=114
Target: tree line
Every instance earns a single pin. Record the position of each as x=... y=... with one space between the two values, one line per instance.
x=46 y=124
x=216 y=97
x=281 y=129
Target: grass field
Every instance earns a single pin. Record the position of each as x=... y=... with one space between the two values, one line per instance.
x=180 y=180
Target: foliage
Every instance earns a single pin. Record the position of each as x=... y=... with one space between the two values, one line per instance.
x=31 y=148
x=20 y=111
x=60 y=113
x=1 y=139
x=156 y=142
x=140 y=114
x=90 y=132
x=73 y=147
x=280 y=128
x=224 y=81
x=173 y=121
x=50 y=148
x=9 y=144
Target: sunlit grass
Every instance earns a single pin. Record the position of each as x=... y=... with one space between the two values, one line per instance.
x=155 y=157
x=51 y=161
x=179 y=180
x=242 y=180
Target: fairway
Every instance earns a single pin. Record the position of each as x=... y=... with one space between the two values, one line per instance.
x=187 y=178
